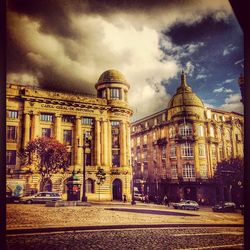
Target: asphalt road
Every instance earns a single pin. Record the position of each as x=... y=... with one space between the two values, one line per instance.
x=149 y=238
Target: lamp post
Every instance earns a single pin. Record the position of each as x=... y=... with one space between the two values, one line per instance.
x=86 y=144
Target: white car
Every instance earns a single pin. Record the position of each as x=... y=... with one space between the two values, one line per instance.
x=41 y=197
x=138 y=197
x=186 y=204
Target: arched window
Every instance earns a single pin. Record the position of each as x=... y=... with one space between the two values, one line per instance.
x=185 y=129
x=90 y=186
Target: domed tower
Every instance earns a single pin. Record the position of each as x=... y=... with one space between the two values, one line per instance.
x=112 y=85
x=185 y=102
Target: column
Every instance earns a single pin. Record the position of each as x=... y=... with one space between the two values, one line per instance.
x=196 y=160
x=224 y=145
x=78 y=135
x=128 y=145
x=104 y=143
x=35 y=130
x=123 y=144
x=58 y=122
x=26 y=129
x=97 y=142
x=109 y=145
x=234 y=140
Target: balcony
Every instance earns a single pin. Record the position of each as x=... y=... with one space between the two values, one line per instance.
x=212 y=140
x=184 y=138
x=160 y=142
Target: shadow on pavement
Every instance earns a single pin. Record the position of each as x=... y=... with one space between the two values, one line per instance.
x=147 y=211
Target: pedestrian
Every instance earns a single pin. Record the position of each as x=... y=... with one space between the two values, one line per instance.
x=124 y=198
x=166 y=202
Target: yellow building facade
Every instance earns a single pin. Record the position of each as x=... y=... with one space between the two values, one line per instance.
x=176 y=151
x=34 y=112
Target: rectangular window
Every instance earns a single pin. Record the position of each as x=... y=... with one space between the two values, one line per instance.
x=145 y=153
x=172 y=151
x=116 y=158
x=185 y=130
x=202 y=151
x=88 y=159
x=200 y=131
x=145 y=139
x=203 y=171
x=46 y=132
x=46 y=117
x=187 y=150
x=87 y=121
x=213 y=150
x=164 y=165
x=188 y=171
x=13 y=114
x=67 y=137
x=70 y=158
x=68 y=118
x=174 y=173
x=115 y=132
x=11 y=134
x=11 y=157
x=138 y=141
x=115 y=123
x=115 y=93
x=163 y=155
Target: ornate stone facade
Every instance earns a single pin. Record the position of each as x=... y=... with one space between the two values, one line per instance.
x=34 y=112
x=175 y=151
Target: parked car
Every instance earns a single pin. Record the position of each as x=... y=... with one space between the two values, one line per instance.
x=138 y=197
x=186 y=204
x=41 y=197
x=228 y=207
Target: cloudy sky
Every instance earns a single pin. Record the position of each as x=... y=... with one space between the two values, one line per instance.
x=66 y=45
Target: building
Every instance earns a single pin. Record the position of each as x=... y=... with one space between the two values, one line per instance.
x=34 y=112
x=175 y=151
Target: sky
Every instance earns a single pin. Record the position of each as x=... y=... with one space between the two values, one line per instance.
x=66 y=45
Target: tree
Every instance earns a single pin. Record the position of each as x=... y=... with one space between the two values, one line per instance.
x=230 y=174
x=101 y=177
x=46 y=155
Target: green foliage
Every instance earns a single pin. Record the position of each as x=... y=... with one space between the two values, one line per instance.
x=230 y=171
x=46 y=154
x=100 y=175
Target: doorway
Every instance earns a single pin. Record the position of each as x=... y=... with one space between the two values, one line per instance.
x=117 y=189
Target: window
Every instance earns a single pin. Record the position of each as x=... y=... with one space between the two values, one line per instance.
x=164 y=164
x=138 y=141
x=154 y=136
x=211 y=131
x=187 y=150
x=67 y=137
x=145 y=154
x=174 y=173
x=155 y=121
x=171 y=132
x=115 y=123
x=163 y=117
x=89 y=186
x=68 y=118
x=219 y=133
x=145 y=139
x=200 y=130
x=221 y=152
x=172 y=151
x=203 y=171
x=185 y=129
x=70 y=158
x=11 y=157
x=163 y=155
x=227 y=134
x=87 y=121
x=46 y=132
x=162 y=133
x=202 y=150
x=114 y=93
x=115 y=132
x=115 y=158
x=213 y=149
x=11 y=135
x=188 y=171
x=13 y=114
x=46 y=117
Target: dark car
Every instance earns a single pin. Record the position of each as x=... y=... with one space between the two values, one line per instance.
x=186 y=204
x=228 y=207
x=41 y=197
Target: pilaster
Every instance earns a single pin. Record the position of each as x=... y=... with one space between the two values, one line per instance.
x=26 y=129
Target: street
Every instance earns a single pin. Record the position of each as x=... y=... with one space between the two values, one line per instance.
x=121 y=226
x=157 y=238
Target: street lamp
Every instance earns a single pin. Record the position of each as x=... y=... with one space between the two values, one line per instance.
x=86 y=144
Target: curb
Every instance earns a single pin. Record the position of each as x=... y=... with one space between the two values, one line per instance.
x=85 y=228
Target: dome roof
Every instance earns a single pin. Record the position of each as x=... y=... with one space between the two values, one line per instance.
x=184 y=96
x=112 y=76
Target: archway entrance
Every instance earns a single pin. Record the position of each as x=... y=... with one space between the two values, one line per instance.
x=117 y=189
x=190 y=193
x=46 y=185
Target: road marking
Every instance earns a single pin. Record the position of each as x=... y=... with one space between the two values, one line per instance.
x=211 y=247
x=201 y=234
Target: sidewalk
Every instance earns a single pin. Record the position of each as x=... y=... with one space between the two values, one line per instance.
x=24 y=216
